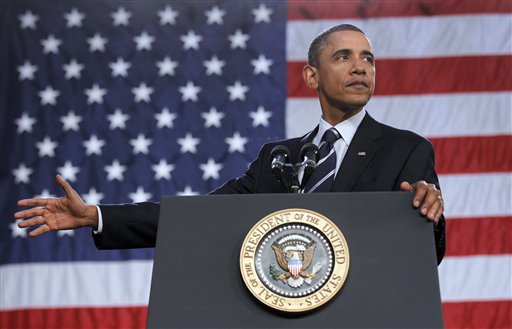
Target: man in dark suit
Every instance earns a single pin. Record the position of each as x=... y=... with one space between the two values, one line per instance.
x=370 y=156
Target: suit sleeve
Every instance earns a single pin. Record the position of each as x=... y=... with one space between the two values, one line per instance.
x=128 y=226
x=420 y=165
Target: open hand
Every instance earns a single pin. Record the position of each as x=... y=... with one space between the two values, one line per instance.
x=53 y=214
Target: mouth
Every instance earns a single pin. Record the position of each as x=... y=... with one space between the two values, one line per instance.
x=358 y=83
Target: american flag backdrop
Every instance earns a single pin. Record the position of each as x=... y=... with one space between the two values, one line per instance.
x=133 y=100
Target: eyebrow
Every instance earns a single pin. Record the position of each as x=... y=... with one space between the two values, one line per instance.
x=350 y=51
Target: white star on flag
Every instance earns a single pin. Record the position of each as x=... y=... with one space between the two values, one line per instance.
x=189 y=92
x=215 y=15
x=238 y=39
x=261 y=64
x=25 y=123
x=262 y=14
x=212 y=118
x=74 y=18
x=93 y=196
x=214 y=66
x=121 y=17
x=165 y=118
x=118 y=119
x=46 y=147
x=93 y=145
x=115 y=171
x=28 y=20
x=236 y=143
x=142 y=93
x=166 y=66
x=210 y=169
x=22 y=173
x=168 y=16
x=120 y=67
x=68 y=171
x=45 y=194
x=260 y=117
x=73 y=69
x=95 y=94
x=237 y=91
x=70 y=121
x=141 y=144
x=27 y=71
x=163 y=170
x=188 y=143
x=61 y=233
x=191 y=40
x=144 y=41
x=51 y=44
x=49 y=96
x=187 y=191
x=140 y=195
x=17 y=231
x=97 y=43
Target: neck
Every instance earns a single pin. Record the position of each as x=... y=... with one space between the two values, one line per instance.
x=333 y=117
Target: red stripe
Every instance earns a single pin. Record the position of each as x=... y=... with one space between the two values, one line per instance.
x=310 y=10
x=473 y=154
x=478 y=236
x=75 y=318
x=426 y=75
x=492 y=314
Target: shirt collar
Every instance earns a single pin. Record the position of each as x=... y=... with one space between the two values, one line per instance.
x=346 y=128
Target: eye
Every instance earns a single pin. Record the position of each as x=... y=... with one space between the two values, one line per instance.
x=368 y=59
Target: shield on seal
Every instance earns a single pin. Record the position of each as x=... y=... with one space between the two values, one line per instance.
x=294 y=266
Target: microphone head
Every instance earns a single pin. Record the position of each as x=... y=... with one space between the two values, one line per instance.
x=279 y=150
x=309 y=151
x=279 y=156
x=309 y=156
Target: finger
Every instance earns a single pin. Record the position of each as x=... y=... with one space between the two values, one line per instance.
x=33 y=212
x=433 y=196
x=435 y=211
x=38 y=231
x=70 y=192
x=35 y=202
x=421 y=188
x=405 y=186
x=31 y=222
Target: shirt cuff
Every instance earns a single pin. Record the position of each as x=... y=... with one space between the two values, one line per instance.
x=100 y=222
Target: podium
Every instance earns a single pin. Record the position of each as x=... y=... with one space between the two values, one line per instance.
x=392 y=280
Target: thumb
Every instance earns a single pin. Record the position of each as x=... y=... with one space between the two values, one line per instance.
x=405 y=186
x=70 y=192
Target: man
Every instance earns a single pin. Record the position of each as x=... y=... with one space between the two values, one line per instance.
x=369 y=156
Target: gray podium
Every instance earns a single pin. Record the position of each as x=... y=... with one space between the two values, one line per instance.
x=392 y=281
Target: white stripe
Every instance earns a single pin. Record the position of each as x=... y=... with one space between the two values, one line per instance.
x=322 y=160
x=74 y=284
x=443 y=115
x=476 y=195
x=476 y=278
x=311 y=190
x=399 y=37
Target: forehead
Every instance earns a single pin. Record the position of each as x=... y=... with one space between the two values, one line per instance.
x=352 y=40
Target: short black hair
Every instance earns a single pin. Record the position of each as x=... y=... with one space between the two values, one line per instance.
x=320 y=41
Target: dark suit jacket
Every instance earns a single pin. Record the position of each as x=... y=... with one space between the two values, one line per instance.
x=379 y=158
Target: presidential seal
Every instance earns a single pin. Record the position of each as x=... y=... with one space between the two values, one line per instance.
x=294 y=260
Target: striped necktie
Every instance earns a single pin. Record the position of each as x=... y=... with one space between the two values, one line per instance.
x=323 y=177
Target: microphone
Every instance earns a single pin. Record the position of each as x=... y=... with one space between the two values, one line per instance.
x=309 y=156
x=280 y=156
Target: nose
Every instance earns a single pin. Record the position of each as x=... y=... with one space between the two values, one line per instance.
x=358 y=68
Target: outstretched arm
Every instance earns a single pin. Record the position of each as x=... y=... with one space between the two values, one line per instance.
x=53 y=214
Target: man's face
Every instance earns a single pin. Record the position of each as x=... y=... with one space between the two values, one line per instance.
x=346 y=72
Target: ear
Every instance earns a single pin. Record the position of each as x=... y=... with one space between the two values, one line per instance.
x=310 y=76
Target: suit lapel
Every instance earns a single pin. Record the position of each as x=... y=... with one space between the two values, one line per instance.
x=363 y=147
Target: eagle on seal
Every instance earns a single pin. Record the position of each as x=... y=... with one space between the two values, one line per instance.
x=294 y=259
